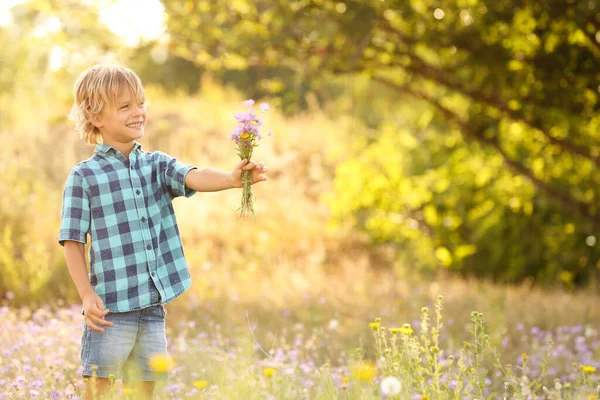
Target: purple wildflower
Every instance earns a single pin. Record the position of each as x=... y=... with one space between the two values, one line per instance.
x=245 y=136
x=252 y=129
x=245 y=118
x=235 y=134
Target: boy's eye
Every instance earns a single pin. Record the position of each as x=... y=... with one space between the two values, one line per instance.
x=142 y=104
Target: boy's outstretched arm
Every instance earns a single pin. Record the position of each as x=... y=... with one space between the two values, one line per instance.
x=93 y=305
x=213 y=180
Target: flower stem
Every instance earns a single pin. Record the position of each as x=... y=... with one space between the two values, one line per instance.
x=246 y=208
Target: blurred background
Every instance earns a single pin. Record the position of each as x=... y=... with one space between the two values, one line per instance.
x=421 y=148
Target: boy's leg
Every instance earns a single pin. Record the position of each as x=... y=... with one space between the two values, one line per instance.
x=151 y=342
x=101 y=387
x=104 y=353
x=146 y=388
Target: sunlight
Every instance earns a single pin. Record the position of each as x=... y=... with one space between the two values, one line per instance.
x=135 y=20
x=5 y=14
x=8 y=4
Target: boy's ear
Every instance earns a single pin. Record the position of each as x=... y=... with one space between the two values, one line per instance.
x=96 y=120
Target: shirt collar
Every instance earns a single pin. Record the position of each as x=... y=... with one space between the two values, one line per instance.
x=104 y=148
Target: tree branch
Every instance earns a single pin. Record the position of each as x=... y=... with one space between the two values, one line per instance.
x=436 y=74
x=576 y=206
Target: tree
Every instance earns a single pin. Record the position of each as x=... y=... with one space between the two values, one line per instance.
x=518 y=81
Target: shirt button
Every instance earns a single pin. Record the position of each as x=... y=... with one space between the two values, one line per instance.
x=149 y=247
x=137 y=191
x=143 y=219
x=153 y=273
x=132 y=167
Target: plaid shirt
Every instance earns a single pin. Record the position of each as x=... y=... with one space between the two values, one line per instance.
x=125 y=205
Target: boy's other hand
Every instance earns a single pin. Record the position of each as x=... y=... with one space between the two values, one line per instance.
x=93 y=308
x=258 y=172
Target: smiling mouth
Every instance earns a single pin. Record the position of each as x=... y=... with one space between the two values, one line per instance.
x=135 y=125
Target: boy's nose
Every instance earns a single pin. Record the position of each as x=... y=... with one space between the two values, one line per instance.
x=139 y=111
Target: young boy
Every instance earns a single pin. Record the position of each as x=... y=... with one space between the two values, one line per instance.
x=122 y=197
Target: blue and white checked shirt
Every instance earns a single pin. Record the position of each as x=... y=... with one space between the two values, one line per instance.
x=125 y=205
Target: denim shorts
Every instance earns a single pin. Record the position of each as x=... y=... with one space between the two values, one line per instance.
x=125 y=348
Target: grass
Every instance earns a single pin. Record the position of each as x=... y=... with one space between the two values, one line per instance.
x=475 y=340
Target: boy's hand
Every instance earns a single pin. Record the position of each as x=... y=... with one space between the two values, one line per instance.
x=93 y=308
x=257 y=172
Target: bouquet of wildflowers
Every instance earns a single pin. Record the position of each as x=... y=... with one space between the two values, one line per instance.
x=246 y=135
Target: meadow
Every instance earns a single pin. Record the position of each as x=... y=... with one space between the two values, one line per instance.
x=440 y=340
x=289 y=306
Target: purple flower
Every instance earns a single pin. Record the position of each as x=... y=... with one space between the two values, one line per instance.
x=235 y=134
x=264 y=107
x=249 y=103
x=237 y=131
x=245 y=118
x=271 y=133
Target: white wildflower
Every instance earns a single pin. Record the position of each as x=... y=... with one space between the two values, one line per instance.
x=390 y=386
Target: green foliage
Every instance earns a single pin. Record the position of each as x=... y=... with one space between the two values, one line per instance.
x=501 y=176
x=443 y=202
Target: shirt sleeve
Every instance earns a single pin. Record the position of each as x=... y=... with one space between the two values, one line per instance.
x=75 y=214
x=172 y=173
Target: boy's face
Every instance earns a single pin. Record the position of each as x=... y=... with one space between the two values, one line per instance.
x=125 y=123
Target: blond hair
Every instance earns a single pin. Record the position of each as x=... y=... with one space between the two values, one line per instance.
x=99 y=87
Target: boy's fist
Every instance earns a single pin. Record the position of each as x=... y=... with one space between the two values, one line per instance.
x=93 y=309
x=258 y=172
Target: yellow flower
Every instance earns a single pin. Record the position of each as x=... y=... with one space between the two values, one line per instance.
x=268 y=372
x=593 y=396
x=588 y=369
x=524 y=356
x=424 y=397
x=406 y=330
x=245 y=135
x=345 y=379
x=364 y=371
x=127 y=391
x=201 y=384
x=395 y=331
x=160 y=362
x=374 y=325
